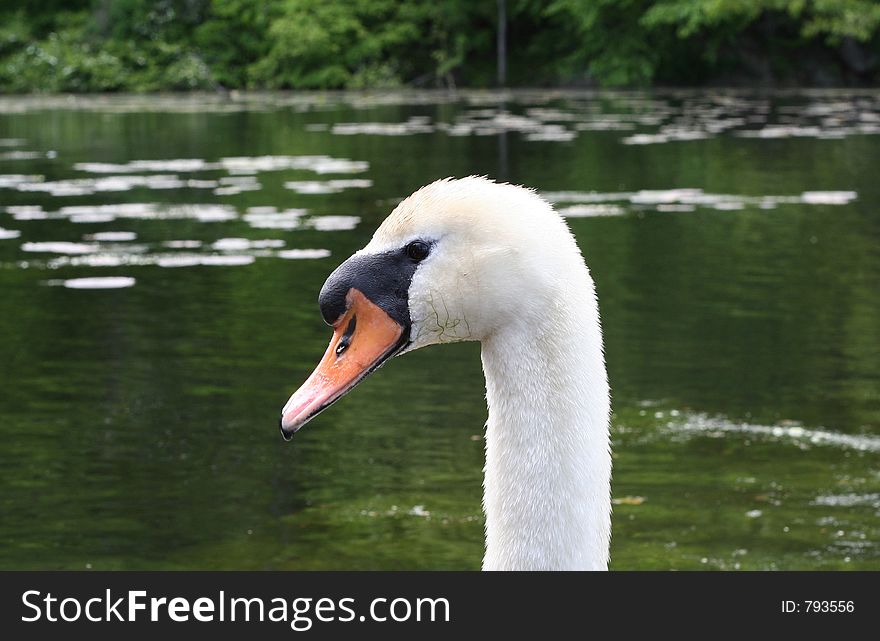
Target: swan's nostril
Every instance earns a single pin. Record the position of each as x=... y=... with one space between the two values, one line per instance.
x=345 y=341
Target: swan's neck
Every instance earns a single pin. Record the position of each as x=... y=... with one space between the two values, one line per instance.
x=547 y=494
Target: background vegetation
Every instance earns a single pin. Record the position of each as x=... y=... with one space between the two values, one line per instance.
x=151 y=45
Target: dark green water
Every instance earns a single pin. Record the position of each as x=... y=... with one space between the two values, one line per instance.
x=139 y=424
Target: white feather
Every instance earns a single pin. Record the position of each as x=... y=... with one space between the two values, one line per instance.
x=505 y=270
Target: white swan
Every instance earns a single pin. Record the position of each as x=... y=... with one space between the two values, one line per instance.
x=472 y=259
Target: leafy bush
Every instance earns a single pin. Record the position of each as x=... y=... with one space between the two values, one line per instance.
x=62 y=63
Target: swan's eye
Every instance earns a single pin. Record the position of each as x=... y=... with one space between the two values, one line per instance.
x=418 y=250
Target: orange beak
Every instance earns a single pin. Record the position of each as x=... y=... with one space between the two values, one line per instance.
x=363 y=338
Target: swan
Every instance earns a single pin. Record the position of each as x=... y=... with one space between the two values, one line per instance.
x=473 y=259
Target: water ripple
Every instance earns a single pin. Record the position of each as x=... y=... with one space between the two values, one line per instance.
x=716 y=426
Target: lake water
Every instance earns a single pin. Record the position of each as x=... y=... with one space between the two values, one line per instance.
x=160 y=259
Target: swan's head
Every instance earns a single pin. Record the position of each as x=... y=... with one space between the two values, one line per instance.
x=457 y=260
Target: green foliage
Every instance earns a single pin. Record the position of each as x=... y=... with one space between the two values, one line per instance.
x=61 y=62
x=318 y=44
x=613 y=47
x=693 y=16
x=149 y=45
x=631 y=42
x=857 y=19
x=69 y=61
x=314 y=43
x=15 y=33
x=234 y=38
